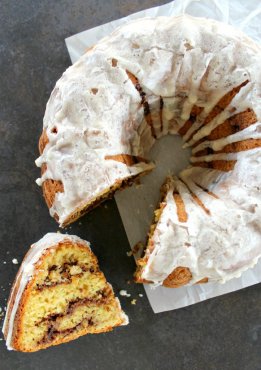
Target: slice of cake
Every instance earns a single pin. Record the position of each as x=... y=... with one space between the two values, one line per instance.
x=58 y=295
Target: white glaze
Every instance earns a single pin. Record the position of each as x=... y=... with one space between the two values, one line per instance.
x=187 y=61
x=251 y=132
x=26 y=272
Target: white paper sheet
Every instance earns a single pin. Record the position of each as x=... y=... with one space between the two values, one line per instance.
x=136 y=204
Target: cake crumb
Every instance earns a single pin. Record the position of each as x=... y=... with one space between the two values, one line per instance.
x=133 y=301
x=124 y=293
x=15 y=261
x=140 y=295
x=130 y=253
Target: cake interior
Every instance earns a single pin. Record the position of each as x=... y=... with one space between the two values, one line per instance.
x=67 y=297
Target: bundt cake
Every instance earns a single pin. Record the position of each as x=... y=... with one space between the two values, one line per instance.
x=59 y=294
x=151 y=77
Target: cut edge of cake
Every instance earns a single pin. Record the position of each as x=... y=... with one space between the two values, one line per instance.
x=181 y=275
x=52 y=187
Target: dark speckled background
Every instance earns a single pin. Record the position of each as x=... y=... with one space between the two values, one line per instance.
x=222 y=333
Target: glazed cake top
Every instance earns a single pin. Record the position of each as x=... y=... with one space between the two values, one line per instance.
x=95 y=109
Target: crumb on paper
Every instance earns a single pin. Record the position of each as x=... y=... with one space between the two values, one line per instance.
x=138 y=249
x=130 y=253
x=124 y=293
x=133 y=301
x=140 y=295
x=58 y=232
x=15 y=261
x=138 y=186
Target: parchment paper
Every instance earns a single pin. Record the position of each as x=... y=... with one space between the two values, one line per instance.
x=136 y=204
